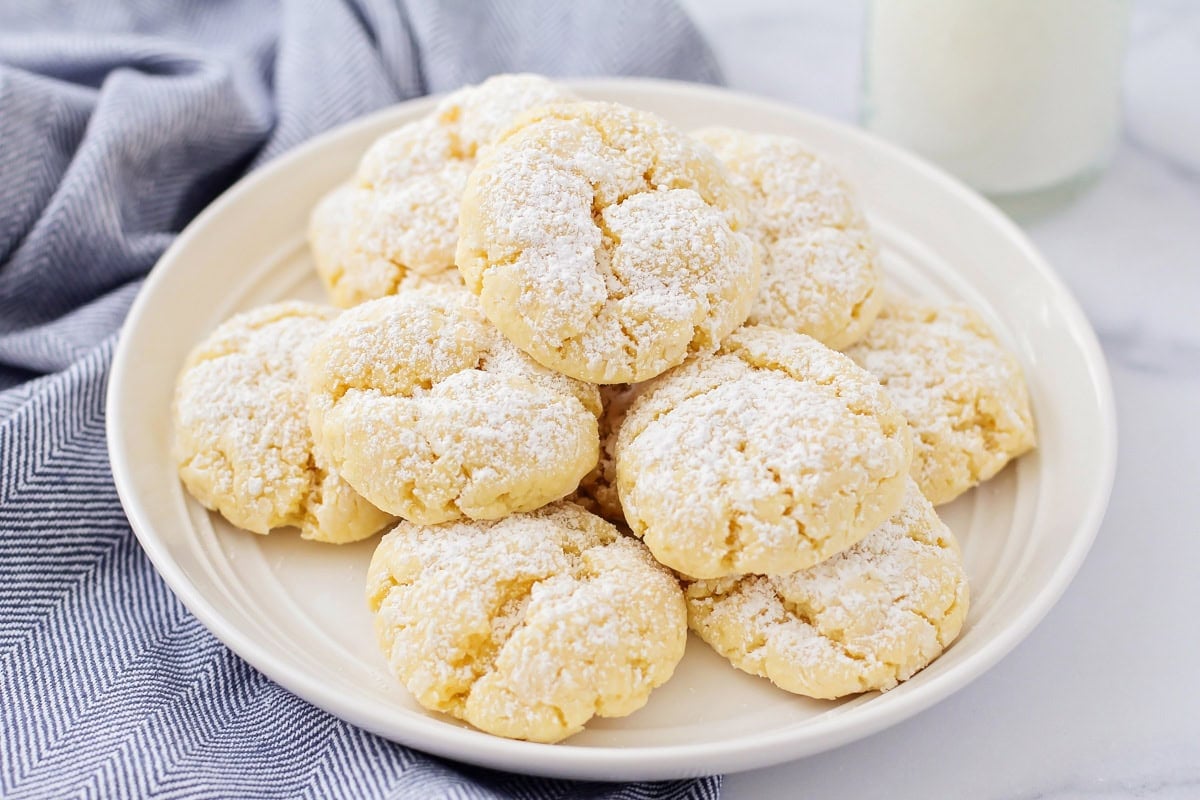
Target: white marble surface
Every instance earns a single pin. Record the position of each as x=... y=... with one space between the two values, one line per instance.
x=1103 y=699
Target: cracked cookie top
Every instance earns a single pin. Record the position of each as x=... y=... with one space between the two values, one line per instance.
x=606 y=244
x=242 y=442
x=820 y=274
x=767 y=457
x=396 y=224
x=528 y=626
x=962 y=392
x=864 y=620
x=432 y=415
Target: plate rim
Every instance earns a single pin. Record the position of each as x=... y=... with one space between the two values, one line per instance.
x=648 y=762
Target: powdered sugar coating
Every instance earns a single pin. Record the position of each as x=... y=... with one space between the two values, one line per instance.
x=866 y=619
x=528 y=626
x=242 y=442
x=431 y=414
x=768 y=457
x=478 y=115
x=396 y=224
x=598 y=489
x=365 y=243
x=820 y=273
x=962 y=392
x=604 y=243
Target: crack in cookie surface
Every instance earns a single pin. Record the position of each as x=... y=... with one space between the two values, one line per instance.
x=766 y=457
x=604 y=243
x=528 y=626
x=866 y=619
x=961 y=391
x=242 y=443
x=429 y=412
x=395 y=225
x=820 y=273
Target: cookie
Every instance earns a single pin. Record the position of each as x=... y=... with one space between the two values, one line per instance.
x=820 y=273
x=364 y=242
x=606 y=244
x=598 y=489
x=962 y=392
x=432 y=415
x=528 y=626
x=768 y=457
x=396 y=224
x=864 y=620
x=242 y=443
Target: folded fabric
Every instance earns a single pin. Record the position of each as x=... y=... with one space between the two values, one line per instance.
x=118 y=123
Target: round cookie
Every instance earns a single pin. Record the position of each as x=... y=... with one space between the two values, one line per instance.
x=864 y=620
x=820 y=273
x=962 y=392
x=396 y=224
x=598 y=489
x=606 y=244
x=432 y=415
x=767 y=457
x=242 y=443
x=528 y=626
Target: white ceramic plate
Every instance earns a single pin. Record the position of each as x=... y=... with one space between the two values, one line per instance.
x=295 y=609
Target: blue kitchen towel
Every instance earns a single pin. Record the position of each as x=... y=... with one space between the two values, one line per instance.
x=119 y=121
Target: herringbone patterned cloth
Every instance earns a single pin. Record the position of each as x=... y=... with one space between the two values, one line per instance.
x=119 y=121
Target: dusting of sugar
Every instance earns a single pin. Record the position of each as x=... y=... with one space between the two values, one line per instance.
x=604 y=243
x=241 y=433
x=865 y=619
x=820 y=273
x=430 y=413
x=769 y=456
x=528 y=626
x=478 y=115
x=396 y=224
x=963 y=394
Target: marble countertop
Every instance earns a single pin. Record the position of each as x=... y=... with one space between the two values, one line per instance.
x=1102 y=699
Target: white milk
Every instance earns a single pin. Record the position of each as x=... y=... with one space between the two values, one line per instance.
x=1013 y=96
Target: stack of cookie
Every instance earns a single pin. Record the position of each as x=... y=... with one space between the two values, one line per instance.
x=548 y=298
